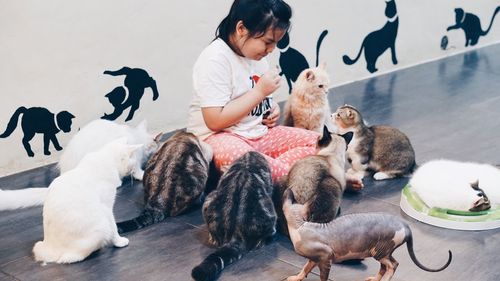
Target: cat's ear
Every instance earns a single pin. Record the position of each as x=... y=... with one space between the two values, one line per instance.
x=157 y=138
x=322 y=65
x=350 y=115
x=326 y=138
x=143 y=126
x=310 y=75
x=475 y=185
x=347 y=137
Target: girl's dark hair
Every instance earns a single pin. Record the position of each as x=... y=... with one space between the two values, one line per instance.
x=257 y=16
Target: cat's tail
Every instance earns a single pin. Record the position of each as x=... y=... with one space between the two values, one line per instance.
x=409 y=245
x=318 y=44
x=213 y=265
x=491 y=22
x=22 y=198
x=347 y=60
x=11 y=126
x=146 y=218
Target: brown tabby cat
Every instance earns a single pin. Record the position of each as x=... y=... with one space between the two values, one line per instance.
x=174 y=180
x=382 y=149
x=307 y=107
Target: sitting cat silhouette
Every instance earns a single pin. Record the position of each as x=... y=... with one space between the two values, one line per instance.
x=377 y=42
x=471 y=25
x=292 y=62
x=39 y=120
x=136 y=81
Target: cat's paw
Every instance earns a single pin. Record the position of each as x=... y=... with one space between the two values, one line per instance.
x=120 y=242
x=294 y=278
x=382 y=176
x=138 y=174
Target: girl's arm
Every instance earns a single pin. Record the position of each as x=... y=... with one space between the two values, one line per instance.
x=219 y=118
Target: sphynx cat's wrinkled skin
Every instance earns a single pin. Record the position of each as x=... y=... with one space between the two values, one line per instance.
x=355 y=236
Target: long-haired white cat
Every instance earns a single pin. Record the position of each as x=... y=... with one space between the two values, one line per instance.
x=449 y=184
x=91 y=137
x=99 y=132
x=78 y=210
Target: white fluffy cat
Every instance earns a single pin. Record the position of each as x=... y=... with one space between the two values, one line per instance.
x=100 y=132
x=78 y=210
x=91 y=137
x=447 y=184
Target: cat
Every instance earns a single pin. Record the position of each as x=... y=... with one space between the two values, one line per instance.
x=307 y=107
x=40 y=120
x=318 y=181
x=382 y=149
x=97 y=133
x=471 y=25
x=377 y=42
x=136 y=81
x=78 y=210
x=291 y=61
x=174 y=180
x=450 y=184
x=239 y=214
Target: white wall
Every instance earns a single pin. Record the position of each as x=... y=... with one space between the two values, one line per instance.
x=53 y=53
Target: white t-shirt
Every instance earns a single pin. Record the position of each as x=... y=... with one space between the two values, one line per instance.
x=219 y=76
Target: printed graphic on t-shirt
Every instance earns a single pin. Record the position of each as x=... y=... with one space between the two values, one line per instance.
x=265 y=105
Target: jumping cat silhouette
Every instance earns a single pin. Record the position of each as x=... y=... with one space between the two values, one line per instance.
x=377 y=42
x=291 y=61
x=39 y=120
x=136 y=81
x=471 y=25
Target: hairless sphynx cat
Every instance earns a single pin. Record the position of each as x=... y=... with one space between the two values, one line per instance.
x=354 y=236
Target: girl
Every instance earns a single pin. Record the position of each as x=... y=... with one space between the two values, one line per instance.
x=232 y=108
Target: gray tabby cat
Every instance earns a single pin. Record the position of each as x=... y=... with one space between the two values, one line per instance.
x=318 y=181
x=239 y=214
x=382 y=149
x=174 y=180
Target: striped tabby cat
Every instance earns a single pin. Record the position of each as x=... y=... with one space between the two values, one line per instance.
x=174 y=180
x=239 y=214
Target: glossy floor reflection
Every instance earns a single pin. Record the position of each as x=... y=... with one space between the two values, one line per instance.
x=448 y=108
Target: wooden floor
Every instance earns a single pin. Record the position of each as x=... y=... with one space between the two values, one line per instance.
x=449 y=109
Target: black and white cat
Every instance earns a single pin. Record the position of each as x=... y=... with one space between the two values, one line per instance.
x=78 y=210
x=239 y=214
x=39 y=120
x=471 y=25
x=377 y=42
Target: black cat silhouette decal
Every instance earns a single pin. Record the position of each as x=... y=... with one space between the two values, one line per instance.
x=471 y=25
x=39 y=120
x=136 y=81
x=291 y=61
x=377 y=42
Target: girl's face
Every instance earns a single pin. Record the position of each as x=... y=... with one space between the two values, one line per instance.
x=255 y=48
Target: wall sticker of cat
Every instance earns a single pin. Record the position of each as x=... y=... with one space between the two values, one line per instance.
x=471 y=25
x=39 y=120
x=377 y=42
x=136 y=81
x=291 y=61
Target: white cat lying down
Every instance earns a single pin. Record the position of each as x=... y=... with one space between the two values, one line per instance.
x=447 y=184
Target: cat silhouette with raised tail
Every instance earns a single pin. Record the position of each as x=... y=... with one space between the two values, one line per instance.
x=377 y=42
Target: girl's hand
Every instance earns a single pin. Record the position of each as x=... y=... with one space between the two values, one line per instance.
x=271 y=119
x=268 y=83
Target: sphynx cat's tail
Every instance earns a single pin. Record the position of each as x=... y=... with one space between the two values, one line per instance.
x=409 y=244
x=22 y=198
x=212 y=266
